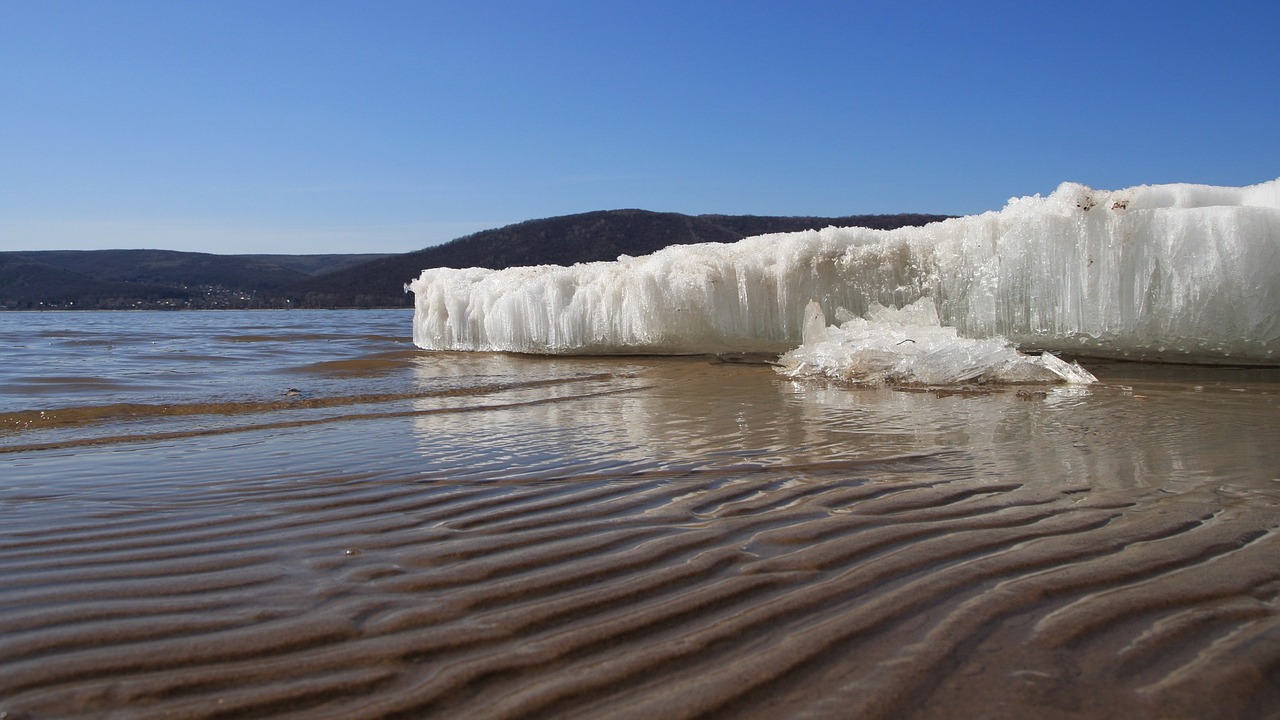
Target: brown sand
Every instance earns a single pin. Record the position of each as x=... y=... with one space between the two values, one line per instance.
x=707 y=540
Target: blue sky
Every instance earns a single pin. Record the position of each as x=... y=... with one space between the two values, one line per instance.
x=300 y=127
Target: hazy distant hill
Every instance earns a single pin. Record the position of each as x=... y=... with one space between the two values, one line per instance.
x=92 y=279
x=313 y=265
x=170 y=267
x=26 y=284
x=111 y=279
x=563 y=240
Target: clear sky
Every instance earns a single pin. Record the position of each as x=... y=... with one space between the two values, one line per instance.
x=314 y=126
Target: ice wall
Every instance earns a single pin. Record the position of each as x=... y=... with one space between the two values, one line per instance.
x=1164 y=272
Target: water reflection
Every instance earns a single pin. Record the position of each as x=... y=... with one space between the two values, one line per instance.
x=535 y=416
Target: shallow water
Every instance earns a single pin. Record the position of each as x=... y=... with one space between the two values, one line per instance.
x=417 y=534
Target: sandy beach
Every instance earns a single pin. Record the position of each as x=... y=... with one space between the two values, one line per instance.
x=658 y=537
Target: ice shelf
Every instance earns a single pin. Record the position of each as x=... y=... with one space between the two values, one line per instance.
x=1184 y=273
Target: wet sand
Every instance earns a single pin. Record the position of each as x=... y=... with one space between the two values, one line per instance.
x=660 y=537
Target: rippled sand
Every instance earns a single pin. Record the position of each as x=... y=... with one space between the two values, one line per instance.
x=654 y=538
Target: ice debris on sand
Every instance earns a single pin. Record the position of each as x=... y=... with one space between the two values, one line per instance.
x=911 y=347
x=1185 y=273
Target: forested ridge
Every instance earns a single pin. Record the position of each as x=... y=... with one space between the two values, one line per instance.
x=165 y=279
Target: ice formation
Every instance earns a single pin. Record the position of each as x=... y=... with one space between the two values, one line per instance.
x=911 y=347
x=1166 y=272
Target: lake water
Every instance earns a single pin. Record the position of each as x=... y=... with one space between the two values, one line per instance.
x=299 y=514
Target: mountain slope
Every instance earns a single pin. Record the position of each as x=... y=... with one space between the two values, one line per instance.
x=171 y=267
x=27 y=284
x=111 y=279
x=562 y=240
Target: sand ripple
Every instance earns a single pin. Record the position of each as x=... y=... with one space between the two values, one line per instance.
x=654 y=545
x=817 y=590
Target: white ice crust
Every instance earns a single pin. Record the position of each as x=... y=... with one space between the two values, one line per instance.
x=1162 y=272
x=911 y=347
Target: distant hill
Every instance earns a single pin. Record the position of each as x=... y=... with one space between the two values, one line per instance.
x=111 y=279
x=187 y=268
x=28 y=284
x=170 y=267
x=562 y=240
x=123 y=279
x=313 y=265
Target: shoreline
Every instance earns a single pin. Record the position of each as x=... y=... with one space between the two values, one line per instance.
x=678 y=538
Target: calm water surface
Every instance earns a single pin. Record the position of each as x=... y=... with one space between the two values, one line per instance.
x=64 y=359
